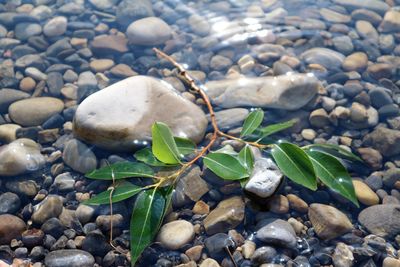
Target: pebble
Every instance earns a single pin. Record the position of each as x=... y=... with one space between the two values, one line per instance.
x=48 y=208
x=228 y=214
x=357 y=61
x=365 y=194
x=328 y=222
x=34 y=111
x=9 y=203
x=297 y=204
x=323 y=56
x=176 y=234
x=8 y=132
x=381 y=220
x=10 y=227
x=384 y=140
x=55 y=27
x=391 y=21
x=265 y=178
x=79 y=156
x=149 y=31
x=209 y=263
x=391 y=262
x=248 y=249
x=99 y=121
x=343 y=256
x=9 y=96
x=69 y=257
x=20 y=156
x=277 y=232
x=27 y=84
x=101 y=65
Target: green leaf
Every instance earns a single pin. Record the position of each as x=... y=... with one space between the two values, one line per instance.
x=120 y=193
x=243 y=182
x=225 y=166
x=295 y=164
x=185 y=146
x=145 y=155
x=246 y=158
x=164 y=146
x=146 y=219
x=333 y=174
x=335 y=151
x=121 y=170
x=274 y=128
x=253 y=120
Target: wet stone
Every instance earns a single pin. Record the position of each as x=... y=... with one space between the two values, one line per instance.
x=79 y=156
x=10 y=227
x=277 y=232
x=9 y=203
x=176 y=234
x=69 y=257
x=50 y=207
x=381 y=220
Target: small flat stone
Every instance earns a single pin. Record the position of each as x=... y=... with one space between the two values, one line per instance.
x=69 y=257
x=176 y=234
x=278 y=232
x=149 y=31
x=365 y=194
x=381 y=220
x=50 y=207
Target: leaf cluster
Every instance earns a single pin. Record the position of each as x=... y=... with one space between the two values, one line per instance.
x=305 y=166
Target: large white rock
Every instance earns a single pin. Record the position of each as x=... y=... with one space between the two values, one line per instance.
x=20 y=156
x=149 y=31
x=265 y=179
x=290 y=91
x=120 y=116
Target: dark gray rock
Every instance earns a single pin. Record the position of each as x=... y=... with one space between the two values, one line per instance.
x=9 y=96
x=129 y=11
x=277 y=232
x=9 y=203
x=381 y=220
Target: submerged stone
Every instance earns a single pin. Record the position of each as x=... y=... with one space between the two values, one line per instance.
x=290 y=91
x=120 y=116
x=381 y=220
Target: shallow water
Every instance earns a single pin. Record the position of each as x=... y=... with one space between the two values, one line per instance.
x=333 y=66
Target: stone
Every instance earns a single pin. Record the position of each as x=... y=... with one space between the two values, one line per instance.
x=120 y=116
x=342 y=256
x=176 y=234
x=358 y=112
x=35 y=74
x=192 y=185
x=27 y=84
x=34 y=111
x=109 y=44
x=368 y=15
x=365 y=194
x=290 y=92
x=391 y=176
x=101 y=65
x=391 y=21
x=194 y=253
x=199 y=25
x=297 y=204
x=148 y=31
x=374 y=5
x=380 y=70
x=122 y=71
x=384 y=140
x=391 y=262
x=371 y=156
x=55 y=27
x=9 y=96
x=229 y=118
x=333 y=16
x=381 y=220
x=20 y=156
x=9 y=203
x=64 y=182
x=220 y=63
x=379 y=97
x=265 y=178
x=209 y=263
x=357 y=61
x=50 y=207
x=11 y=227
x=228 y=214
x=22 y=187
x=103 y=4
x=248 y=249
x=367 y=31
x=278 y=204
x=128 y=11
x=55 y=83
x=278 y=232
x=328 y=222
x=323 y=56
x=8 y=132
x=25 y=30
x=79 y=156
x=263 y=254
x=69 y=257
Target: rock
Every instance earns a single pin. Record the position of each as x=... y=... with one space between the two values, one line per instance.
x=199 y=25
x=27 y=84
x=381 y=220
x=374 y=5
x=103 y=4
x=391 y=21
x=319 y=118
x=101 y=65
x=120 y=116
x=191 y=185
x=297 y=204
x=379 y=97
x=290 y=92
x=148 y=31
x=20 y=156
x=209 y=263
x=391 y=262
x=79 y=156
x=391 y=176
x=64 y=182
x=8 y=132
x=365 y=194
x=176 y=234
x=328 y=222
x=342 y=256
x=69 y=257
x=248 y=249
x=55 y=27
x=263 y=254
x=217 y=243
x=194 y=253
x=357 y=61
x=109 y=44
x=122 y=71
x=324 y=57
x=333 y=16
x=128 y=11
x=9 y=203
x=96 y=244
x=384 y=140
x=220 y=63
x=9 y=96
x=278 y=204
x=25 y=30
x=34 y=111
x=358 y=112
x=10 y=227
x=104 y=222
x=22 y=187
x=278 y=232
x=367 y=31
x=371 y=156
x=48 y=208
x=228 y=118
x=228 y=214
x=265 y=178
x=55 y=83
